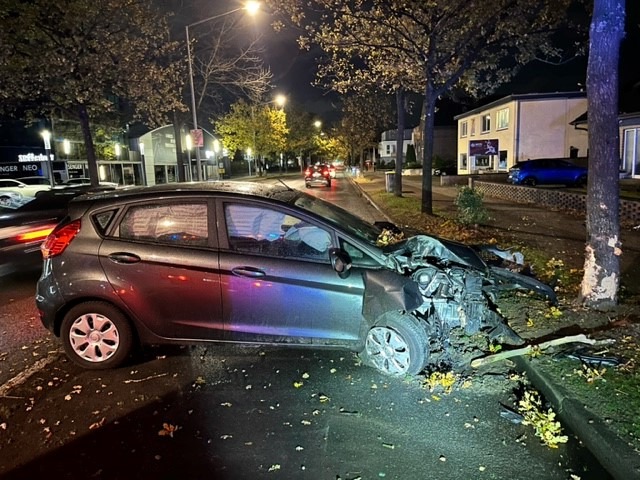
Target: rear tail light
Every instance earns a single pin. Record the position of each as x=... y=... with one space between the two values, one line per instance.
x=59 y=239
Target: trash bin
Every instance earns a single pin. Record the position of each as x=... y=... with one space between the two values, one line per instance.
x=389 y=181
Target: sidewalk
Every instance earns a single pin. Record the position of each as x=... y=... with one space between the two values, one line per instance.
x=615 y=455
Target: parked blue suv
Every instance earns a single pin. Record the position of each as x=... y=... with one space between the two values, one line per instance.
x=547 y=171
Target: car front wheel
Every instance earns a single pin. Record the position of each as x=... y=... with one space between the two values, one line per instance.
x=96 y=336
x=396 y=346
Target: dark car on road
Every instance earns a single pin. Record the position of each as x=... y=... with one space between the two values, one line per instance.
x=318 y=174
x=262 y=264
x=547 y=171
x=23 y=229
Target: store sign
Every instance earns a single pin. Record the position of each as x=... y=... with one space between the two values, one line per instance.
x=22 y=169
x=483 y=147
x=32 y=157
x=196 y=136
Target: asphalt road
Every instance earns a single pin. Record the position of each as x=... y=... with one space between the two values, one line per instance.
x=229 y=412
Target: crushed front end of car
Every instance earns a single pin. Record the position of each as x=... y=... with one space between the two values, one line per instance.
x=458 y=289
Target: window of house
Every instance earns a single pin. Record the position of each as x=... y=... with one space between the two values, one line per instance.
x=631 y=152
x=388 y=149
x=484 y=162
x=486 y=122
x=463 y=129
x=171 y=224
x=502 y=161
x=473 y=126
x=463 y=161
x=502 y=119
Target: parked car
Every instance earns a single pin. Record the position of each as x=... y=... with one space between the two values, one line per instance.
x=35 y=180
x=318 y=174
x=86 y=181
x=12 y=200
x=547 y=171
x=446 y=170
x=261 y=264
x=10 y=185
x=23 y=229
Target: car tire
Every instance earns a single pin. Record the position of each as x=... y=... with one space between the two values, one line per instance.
x=96 y=336
x=308 y=185
x=581 y=182
x=529 y=182
x=5 y=200
x=396 y=346
x=328 y=183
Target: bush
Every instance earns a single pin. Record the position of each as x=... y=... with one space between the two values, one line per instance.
x=471 y=209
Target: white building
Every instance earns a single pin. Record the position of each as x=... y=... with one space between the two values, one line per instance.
x=492 y=138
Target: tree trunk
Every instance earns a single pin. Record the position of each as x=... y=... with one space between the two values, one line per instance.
x=601 y=279
x=83 y=116
x=428 y=109
x=397 y=182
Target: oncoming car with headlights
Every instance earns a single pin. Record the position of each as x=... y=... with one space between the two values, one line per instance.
x=262 y=264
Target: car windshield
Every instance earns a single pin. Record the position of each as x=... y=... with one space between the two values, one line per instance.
x=340 y=218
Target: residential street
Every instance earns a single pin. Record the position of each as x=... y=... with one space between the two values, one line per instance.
x=249 y=412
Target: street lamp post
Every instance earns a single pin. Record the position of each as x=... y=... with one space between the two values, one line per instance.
x=251 y=7
x=46 y=135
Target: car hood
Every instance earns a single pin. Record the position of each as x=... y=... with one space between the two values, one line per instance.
x=422 y=250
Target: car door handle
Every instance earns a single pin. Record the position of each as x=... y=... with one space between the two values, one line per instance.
x=247 y=272
x=123 y=257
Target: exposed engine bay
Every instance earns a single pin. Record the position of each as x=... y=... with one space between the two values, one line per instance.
x=459 y=289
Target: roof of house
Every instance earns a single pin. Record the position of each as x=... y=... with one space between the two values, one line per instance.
x=522 y=97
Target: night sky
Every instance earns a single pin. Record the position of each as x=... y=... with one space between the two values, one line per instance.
x=294 y=71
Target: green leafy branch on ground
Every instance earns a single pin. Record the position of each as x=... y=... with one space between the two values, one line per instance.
x=544 y=422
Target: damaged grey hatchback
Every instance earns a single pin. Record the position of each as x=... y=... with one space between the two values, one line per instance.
x=250 y=263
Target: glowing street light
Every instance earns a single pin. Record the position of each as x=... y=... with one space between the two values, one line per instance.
x=280 y=100
x=252 y=8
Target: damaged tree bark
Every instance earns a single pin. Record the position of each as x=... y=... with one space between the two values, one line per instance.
x=601 y=279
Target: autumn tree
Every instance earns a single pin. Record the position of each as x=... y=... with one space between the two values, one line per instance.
x=300 y=140
x=85 y=61
x=602 y=265
x=364 y=117
x=426 y=46
x=259 y=126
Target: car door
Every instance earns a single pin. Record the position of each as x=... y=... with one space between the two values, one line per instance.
x=278 y=285
x=162 y=262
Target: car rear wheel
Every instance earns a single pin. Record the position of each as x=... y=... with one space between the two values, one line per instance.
x=581 y=182
x=396 y=346
x=96 y=336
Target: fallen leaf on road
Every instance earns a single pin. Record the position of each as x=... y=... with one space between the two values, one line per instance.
x=168 y=429
x=98 y=424
x=274 y=467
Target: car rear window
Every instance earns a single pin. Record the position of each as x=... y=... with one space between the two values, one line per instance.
x=174 y=224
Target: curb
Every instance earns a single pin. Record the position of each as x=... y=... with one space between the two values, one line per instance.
x=610 y=450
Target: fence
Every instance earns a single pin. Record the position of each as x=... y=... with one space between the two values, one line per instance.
x=629 y=210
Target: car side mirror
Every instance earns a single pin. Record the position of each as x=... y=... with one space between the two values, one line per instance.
x=341 y=262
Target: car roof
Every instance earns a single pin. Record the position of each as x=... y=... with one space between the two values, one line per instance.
x=254 y=189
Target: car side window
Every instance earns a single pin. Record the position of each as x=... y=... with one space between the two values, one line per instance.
x=171 y=224
x=358 y=257
x=264 y=231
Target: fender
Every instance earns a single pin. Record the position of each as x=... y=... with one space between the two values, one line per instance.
x=386 y=291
